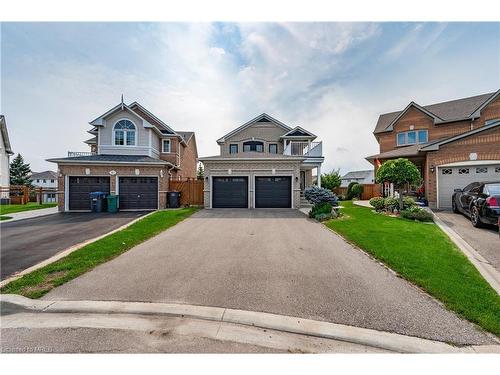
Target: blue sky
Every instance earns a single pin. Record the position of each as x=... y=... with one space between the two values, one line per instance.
x=331 y=78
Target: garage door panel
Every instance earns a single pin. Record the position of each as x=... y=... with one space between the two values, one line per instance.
x=138 y=193
x=80 y=188
x=230 y=192
x=458 y=177
x=273 y=192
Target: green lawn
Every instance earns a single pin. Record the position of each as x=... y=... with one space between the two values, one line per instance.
x=424 y=255
x=39 y=282
x=12 y=208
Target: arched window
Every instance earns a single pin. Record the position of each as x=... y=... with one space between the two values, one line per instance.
x=124 y=133
x=255 y=146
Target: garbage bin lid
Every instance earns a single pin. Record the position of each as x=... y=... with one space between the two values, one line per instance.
x=97 y=193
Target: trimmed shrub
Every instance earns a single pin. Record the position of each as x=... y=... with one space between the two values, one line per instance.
x=317 y=195
x=391 y=203
x=320 y=208
x=323 y=217
x=408 y=203
x=349 y=187
x=356 y=191
x=416 y=213
x=378 y=203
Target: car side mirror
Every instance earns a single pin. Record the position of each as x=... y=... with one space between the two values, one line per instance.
x=458 y=190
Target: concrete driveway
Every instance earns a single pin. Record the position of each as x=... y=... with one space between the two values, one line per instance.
x=30 y=241
x=484 y=240
x=274 y=261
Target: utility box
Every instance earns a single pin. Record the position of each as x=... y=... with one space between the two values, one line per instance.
x=98 y=202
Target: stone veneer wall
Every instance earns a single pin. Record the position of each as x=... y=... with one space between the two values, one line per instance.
x=252 y=169
x=103 y=170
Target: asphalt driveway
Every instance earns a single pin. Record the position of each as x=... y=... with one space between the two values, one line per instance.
x=30 y=241
x=274 y=261
x=484 y=240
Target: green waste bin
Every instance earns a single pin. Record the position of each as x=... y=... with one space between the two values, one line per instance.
x=113 y=203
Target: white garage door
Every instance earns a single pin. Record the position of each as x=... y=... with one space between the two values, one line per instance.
x=457 y=177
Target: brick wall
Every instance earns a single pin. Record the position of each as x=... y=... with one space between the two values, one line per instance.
x=485 y=144
x=251 y=169
x=103 y=170
x=189 y=159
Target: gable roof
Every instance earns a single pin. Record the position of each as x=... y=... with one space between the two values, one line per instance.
x=264 y=117
x=453 y=110
x=5 y=135
x=48 y=175
x=357 y=174
x=185 y=135
x=298 y=132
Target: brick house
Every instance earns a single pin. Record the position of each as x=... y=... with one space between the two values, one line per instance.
x=264 y=163
x=452 y=143
x=133 y=154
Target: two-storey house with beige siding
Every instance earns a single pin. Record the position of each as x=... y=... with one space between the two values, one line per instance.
x=453 y=143
x=133 y=154
x=264 y=163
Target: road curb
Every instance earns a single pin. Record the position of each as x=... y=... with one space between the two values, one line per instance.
x=41 y=214
x=368 y=337
x=68 y=251
x=489 y=273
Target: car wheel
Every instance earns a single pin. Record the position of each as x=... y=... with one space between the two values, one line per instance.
x=454 y=207
x=474 y=217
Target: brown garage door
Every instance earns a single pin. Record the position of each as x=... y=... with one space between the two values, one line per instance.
x=80 y=189
x=138 y=193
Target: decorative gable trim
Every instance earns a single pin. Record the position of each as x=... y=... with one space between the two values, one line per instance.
x=477 y=112
x=412 y=104
x=298 y=132
x=264 y=117
x=435 y=145
x=99 y=121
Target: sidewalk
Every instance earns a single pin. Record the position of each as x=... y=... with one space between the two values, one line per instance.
x=230 y=324
x=29 y=214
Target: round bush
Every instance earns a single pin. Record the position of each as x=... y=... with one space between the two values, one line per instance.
x=378 y=203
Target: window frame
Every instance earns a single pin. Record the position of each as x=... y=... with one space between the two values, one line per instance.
x=405 y=135
x=125 y=132
x=253 y=144
x=169 y=141
x=231 y=145
x=274 y=145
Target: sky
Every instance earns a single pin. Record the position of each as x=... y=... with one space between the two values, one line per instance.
x=333 y=79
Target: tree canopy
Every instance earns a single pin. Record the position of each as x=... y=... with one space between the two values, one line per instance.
x=19 y=171
x=331 y=180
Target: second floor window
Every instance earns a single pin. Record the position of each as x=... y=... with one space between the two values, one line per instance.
x=412 y=137
x=124 y=133
x=166 y=145
x=233 y=149
x=253 y=146
x=273 y=148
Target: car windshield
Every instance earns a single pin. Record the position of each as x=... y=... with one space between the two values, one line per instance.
x=493 y=189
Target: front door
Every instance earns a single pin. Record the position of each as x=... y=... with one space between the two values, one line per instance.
x=302 y=180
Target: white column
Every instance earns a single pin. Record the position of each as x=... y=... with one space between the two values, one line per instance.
x=319 y=175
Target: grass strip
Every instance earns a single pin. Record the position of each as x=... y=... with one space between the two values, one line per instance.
x=13 y=208
x=424 y=255
x=37 y=283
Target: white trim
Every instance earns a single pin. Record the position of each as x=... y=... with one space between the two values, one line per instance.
x=66 y=193
x=163 y=140
x=125 y=131
x=469 y=163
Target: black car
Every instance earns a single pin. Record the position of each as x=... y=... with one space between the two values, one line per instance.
x=480 y=201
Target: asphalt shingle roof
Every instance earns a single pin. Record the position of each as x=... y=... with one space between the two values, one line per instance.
x=47 y=175
x=357 y=174
x=458 y=109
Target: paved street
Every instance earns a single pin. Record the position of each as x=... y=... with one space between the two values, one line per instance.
x=30 y=241
x=275 y=261
x=484 y=240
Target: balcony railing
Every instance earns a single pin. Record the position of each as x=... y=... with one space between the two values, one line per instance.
x=73 y=154
x=309 y=149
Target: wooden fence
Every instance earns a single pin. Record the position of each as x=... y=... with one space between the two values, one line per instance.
x=191 y=191
x=369 y=191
